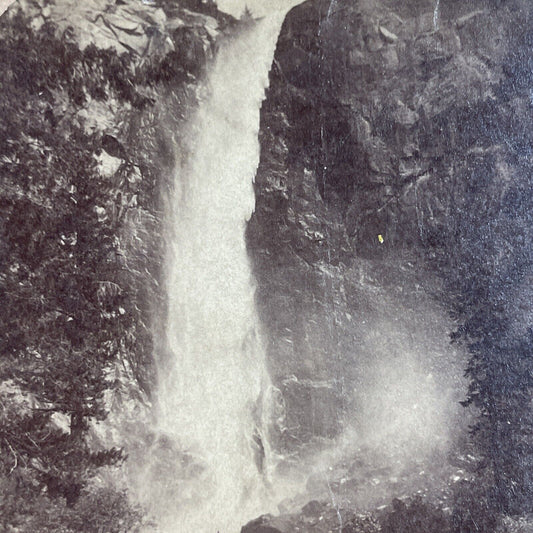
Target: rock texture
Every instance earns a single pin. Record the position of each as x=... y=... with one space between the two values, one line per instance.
x=93 y=96
x=379 y=121
x=316 y=517
x=395 y=159
x=144 y=29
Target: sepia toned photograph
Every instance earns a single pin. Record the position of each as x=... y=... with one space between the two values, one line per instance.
x=266 y=266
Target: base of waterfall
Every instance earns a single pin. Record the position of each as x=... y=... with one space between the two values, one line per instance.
x=360 y=495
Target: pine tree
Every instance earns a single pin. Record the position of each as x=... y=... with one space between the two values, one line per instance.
x=63 y=321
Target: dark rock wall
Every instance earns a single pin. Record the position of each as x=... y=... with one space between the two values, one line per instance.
x=394 y=138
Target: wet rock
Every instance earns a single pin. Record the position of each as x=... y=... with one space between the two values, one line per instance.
x=316 y=516
x=313 y=408
x=387 y=35
x=261 y=529
x=311 y=508
x=408 y=103
x=263 y=524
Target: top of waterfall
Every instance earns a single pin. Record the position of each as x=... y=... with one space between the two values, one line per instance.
x=257 y=7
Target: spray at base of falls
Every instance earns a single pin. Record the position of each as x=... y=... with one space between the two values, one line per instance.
x=210 y=464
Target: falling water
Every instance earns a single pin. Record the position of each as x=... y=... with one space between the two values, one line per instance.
x=214 y=458
x=436 y=15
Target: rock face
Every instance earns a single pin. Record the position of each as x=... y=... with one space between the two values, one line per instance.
x=140 y=28
x=385 y=121
x=402 y=97
x=101 y=89
x=316 y=517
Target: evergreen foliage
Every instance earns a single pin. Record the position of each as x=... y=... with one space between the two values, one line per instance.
x=70 y=307
x=489 y=263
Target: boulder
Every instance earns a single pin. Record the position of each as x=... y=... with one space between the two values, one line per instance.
x=387 y=35
x=262 y=525
x=131 y=26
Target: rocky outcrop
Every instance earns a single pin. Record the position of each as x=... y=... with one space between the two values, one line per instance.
x=380 y=120
x=377 y=98
x=395 y=159
x=93 y=96
x=316 y=517
x=141 y=28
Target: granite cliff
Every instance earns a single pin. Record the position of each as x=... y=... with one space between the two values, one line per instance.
x=391 y=195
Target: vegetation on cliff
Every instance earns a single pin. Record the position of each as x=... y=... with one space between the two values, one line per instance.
x=79 y=224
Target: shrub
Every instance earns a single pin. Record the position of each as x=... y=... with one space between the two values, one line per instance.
x=473 y=509
x=416 y=516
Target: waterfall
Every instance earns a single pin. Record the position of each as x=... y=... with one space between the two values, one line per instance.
x=213 y=455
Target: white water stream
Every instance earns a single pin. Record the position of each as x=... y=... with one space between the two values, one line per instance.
x=213 y=395
x=209 y=468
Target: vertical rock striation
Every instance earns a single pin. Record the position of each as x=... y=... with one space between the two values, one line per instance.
x=392 y=183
